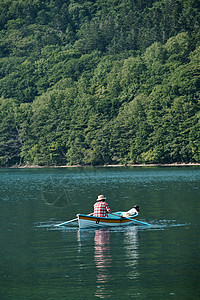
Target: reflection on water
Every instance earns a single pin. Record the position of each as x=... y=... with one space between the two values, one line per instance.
x=105 y=253
x=102 y=258
x=132 y=244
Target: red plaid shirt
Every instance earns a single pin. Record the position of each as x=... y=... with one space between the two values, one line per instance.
x=101 y=209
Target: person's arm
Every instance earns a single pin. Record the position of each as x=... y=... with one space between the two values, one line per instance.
x=108 y=208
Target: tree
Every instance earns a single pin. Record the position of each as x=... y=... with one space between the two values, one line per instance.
x=10 y=142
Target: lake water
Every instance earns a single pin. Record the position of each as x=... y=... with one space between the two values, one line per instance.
x=41 y=261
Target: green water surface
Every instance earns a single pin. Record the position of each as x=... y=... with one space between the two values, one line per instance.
x=41 y=261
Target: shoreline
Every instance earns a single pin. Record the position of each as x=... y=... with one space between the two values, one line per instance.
x=104 y=166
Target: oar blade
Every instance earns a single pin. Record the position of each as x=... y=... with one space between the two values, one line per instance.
x=143 y=223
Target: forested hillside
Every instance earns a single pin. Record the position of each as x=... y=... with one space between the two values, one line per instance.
x=99 y=82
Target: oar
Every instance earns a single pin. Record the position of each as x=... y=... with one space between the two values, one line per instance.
x=67 y=222
x=144 y=223
x=70 y=221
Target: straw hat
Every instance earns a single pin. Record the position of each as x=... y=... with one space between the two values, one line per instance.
x=101 y=197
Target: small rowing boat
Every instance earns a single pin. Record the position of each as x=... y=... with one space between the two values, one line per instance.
x=113 y=219
x=86 y=221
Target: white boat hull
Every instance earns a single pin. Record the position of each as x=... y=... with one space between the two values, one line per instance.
x=86 y=221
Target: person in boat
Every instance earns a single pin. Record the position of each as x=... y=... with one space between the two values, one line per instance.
x=131 y=212
x=101 y=207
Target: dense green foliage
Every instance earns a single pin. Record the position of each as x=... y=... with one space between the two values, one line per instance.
x=99 y=82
